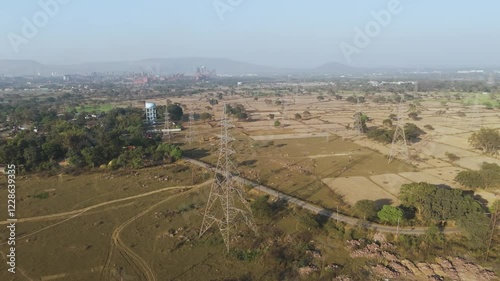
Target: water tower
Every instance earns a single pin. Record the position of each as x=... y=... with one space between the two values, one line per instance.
x=150 y=112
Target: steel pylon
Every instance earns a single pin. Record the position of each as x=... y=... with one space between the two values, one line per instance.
x=399 y=146
x=227 y=206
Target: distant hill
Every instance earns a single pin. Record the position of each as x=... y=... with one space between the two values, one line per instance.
x=164 y=66
x=21 y=67
x=334 y=68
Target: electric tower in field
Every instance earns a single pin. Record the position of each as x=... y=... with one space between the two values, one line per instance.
x=476 y=115
x=399 y=147
x=227 y=206
x=297 y=90
x=166 y=130
x=358 y=127
x=283 y=109
x=191 y=134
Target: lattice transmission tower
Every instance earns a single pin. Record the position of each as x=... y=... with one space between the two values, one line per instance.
x=227 y=206
x=399 y=146
x=297 y=90
x=283 y=110
x=191 y=134
x=477 y=121
x=358 y=127
x=167 y=135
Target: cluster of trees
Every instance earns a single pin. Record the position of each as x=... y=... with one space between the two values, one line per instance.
x=204 y=116
x=460 y=86
x=237 y=110
x=360 y=120
x=452 y=156
x=368 y=210
x=380 y=99
x=395 y=98
x=385 y=135
x=486 y=140
x=263 y=209
x=433 y=204
x=213 y=101
x=118 y=138
x=487 y=177
x=355 y=100
x=175 y=112
x=414 y=116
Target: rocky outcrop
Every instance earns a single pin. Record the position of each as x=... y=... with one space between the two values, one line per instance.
x=390 y=266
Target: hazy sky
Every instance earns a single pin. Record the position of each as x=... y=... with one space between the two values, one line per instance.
x=284 y=33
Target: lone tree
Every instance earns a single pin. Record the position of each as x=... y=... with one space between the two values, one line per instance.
x=413 y=132
x=390 y=214
x=452 y=156
x=205 y=116
x=488 y=176
x=414 y=116
x=470 y=179
x=360 y=121
x=298 y=116
x=261 y=208
x=366 y=209
x=175 y=111
x=487 y=140
x=352 y=99
x=277 y=123
x=387 y=123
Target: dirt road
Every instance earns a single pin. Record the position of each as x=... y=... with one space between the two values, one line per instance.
x=324 y=212
x=79 y=211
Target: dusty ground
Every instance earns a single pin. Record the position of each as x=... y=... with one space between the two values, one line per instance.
x=354 y=188
x=67 y=192
x=47 y=248
x=133 y=238
x=297 y=165
x=327 y=122
x=150 y=237
x=390 y=182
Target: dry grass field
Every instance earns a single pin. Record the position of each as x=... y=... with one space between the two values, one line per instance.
x=140 y=235
x=317 y=137
x=354 y=188
x=135 y=234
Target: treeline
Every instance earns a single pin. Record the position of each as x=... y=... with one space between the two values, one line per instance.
x=118 y=139
x=428 y=204
x=486 y=177
x=237 y=111
x=435 y=205
x=385 y=135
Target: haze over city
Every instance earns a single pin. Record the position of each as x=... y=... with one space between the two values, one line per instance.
x=294 y=34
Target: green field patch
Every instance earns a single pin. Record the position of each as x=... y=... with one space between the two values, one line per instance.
x=98 y=108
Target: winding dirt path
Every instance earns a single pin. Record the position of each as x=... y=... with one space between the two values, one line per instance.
x=79 y=211
x=132 y=258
